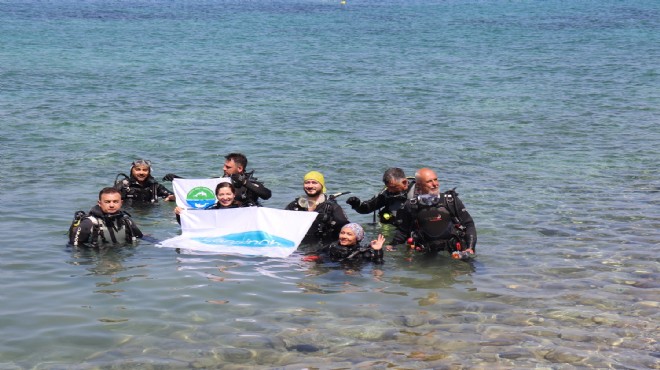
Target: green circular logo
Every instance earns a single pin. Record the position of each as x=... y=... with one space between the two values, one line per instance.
x=200 y=197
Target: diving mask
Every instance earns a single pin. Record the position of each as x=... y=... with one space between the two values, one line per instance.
x=305 y=202
x=429 y=199
x=141 y=162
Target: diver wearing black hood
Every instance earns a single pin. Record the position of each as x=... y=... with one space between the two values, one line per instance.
x=105 y=223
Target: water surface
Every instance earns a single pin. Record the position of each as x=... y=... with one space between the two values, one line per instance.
x=542 y=114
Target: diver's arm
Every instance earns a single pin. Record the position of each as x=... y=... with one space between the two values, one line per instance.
x=467 y=221
x=259 y=189
x=339 y=217
x=404 y=228
x=373 y=204
x=163 y=192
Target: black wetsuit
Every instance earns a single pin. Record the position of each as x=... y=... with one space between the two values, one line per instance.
x=352 y=254
x=100 y=228
x=250 y=191
x=388 y=204
x=325 y=228
x=433 y=227
x=132 y=191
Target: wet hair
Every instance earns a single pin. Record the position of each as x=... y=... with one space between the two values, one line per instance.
x=393 y=174
x=108 y=190
x=225 y=184
x=238 y=158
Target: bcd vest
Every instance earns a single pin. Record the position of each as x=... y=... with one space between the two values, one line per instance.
x=105 y=230
x=436 y=224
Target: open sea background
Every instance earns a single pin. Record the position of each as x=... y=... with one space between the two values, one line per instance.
x=543 y=114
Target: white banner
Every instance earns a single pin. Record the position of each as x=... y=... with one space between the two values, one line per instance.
x=196 y=193
x=255 y=231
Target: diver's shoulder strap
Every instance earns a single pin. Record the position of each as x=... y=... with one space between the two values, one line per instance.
x=450 y=202
x=411 y=191
x=96 y=229
x=95 y=221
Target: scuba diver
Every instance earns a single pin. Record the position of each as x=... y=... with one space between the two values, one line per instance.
x=225 y=192
x=248 y=189
x=348 y=247
x=433 y=221
x=348 y=250
x=388 y=202
x=105 y=223
x=140 y=187
x=331 y=217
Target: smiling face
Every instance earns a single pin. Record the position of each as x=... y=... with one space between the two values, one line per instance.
x=225 y=196
x=312 y=188
x=141 y=173
x=347 y=237
x=110 y=203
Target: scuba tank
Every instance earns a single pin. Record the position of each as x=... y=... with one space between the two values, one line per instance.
x=121 y=183
x=77 y=217
x=327 y=223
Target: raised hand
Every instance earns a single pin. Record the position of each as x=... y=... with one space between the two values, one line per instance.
x=377 y=244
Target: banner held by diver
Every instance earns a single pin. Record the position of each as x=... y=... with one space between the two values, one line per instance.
x=254 y=231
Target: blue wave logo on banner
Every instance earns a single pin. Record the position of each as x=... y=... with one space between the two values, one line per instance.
x=254 y=239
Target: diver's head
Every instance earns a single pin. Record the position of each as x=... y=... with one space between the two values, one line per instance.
x=427 y=182
x=110 y=200
x=351 y=234
x=314 y=184
x=395 y=180
x=141 y=170
x=235 y=163
x=226 y=193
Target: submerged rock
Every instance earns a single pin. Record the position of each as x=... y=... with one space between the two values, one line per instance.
x=304 y=348
x=514 y=354
x=412 y=321
x=370 y=333
x=235 y=354
x=563 y=355
x=248 y=341
x=270 y=357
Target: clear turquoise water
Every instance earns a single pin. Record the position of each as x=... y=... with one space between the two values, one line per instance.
x=543 y=114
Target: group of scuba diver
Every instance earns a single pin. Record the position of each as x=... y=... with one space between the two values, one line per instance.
x=426 y=220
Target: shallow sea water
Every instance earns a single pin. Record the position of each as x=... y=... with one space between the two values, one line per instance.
x=543 y=115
